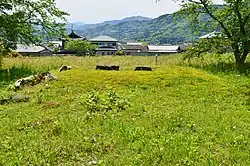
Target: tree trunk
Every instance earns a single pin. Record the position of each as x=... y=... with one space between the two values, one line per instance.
x=240 y=57
x=245 y=51
x=237 y=56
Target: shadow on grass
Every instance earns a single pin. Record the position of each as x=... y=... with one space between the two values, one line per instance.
x=225 y=67
x=15 y=73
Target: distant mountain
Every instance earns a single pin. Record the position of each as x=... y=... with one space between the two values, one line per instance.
x=74 y=25
x=128 y=19
x=82 y=26
x=164 y=30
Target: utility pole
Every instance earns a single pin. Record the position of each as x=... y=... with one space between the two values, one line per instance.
x=156 y=59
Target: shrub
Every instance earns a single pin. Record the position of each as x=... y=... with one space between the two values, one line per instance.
x=120 y=52
x=106 y=102
x=202 y=47
x=14 y=54
x=81 y=47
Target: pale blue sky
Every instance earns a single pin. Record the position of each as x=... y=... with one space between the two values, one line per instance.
x=93 y=11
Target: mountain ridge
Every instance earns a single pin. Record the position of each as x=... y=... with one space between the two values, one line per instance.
x=161 y=30
x=81 y=25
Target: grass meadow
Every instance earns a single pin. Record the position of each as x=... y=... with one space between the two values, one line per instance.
x=195 y=112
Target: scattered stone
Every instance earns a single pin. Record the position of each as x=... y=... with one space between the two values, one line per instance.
x=14 y=99
x=22 y=81
x=92 y=163
x=47 y=76
x=20 y=98
x=102 y=67
x=143 y=68
x=34 y=79
x=65 y=68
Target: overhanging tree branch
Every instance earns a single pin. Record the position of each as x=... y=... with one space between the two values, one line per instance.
x=232 y=18
x=205 y=5
x=25 y=20
x=237 y=12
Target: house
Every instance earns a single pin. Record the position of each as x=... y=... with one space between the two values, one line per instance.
x=163 y=49
x=134 y=43
x=106 y=45
x=134 y=49
x=33 y=50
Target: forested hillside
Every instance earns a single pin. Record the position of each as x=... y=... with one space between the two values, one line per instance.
x=163 y=29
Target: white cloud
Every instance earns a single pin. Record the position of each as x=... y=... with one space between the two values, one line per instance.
x=92 y=11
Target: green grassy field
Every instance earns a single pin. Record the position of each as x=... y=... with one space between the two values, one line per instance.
x=181 y=113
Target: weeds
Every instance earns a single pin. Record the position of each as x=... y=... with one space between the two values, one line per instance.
x=106 y=102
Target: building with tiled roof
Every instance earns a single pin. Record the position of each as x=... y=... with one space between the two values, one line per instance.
x=32 y=50
x=106 y=45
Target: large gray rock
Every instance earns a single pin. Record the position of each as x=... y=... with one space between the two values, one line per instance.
x=34 y=79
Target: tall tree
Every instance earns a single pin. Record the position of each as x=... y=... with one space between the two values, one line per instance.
x=232 y=18
x=28 y=21
x=82 y=48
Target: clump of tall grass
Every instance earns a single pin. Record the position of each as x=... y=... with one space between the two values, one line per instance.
x=16 y=72
x=217 y=63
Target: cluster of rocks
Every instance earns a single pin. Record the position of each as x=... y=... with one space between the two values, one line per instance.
x=38 y=78
x=34 y=80
x=115 y=67
x=47 y=76
x=27 y=81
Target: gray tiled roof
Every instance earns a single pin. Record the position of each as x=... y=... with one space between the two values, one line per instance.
x=134 y=47
x=74 y=35
x=163 y=48
x=103 y=38
x=29 y=49
x=106 y=49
